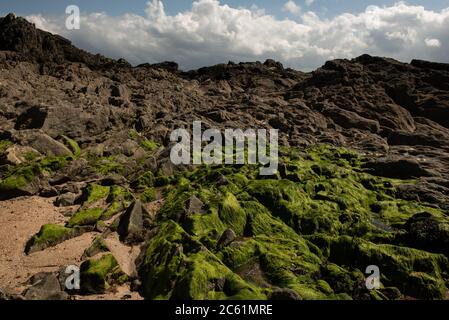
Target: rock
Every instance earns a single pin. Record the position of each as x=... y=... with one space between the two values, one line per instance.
x=16 y=155
x=48 y=192
x=284 y=294
x=136 y=285
x=167 y=65
x=45 y=286
x=51 y=235
x=394 y=167
x=19 y=185
x=226 y=238
x=97 y=275
x=193 y=205
x=222 y=180
x=394 y=115
x=427 y=232
x=66 y=199
x=119 y=91
x=43 y=143
x=348 y=119
x=273 y=64
x=5 y=295
x=423 y=192
x=131 y=228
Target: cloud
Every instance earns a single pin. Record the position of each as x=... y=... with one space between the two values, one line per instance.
x=210 y=33
x=292 y=8
x=433 y=43
x=309 y=2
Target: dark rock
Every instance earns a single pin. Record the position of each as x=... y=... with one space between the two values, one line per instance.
x=136 y=285
x=396 y=168
x=131 y=227
x=284 y=294
x=43 y=143
x=48 y=192
x=427 y=232
x=222 y=180
x=193 y=205
x=45 y=286
x=66 y=199
x=226 y=238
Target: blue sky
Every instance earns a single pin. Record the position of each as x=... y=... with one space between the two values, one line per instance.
x=324 y=8
x=302 y=34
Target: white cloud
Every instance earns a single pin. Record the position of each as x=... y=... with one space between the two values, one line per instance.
x=435 y=43
x=309 y=2
x=210 y=33
x=292 y=8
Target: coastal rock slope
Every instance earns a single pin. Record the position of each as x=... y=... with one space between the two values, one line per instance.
x=363 y=178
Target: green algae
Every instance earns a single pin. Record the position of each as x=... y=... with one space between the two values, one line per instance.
x=313 y=228
x=50 y=235
x=177 y=266
x=149 y=195
x=85 y=217
x=97 y=275
x=5 y=144
x=94 y=198
x=73 y=145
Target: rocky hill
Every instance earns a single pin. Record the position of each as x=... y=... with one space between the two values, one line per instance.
x=363 y=178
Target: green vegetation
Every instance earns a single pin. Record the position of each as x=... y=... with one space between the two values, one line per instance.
x=144 y=181
x=149 y=195
x=313 y=228
x=5 y=144
x=85 y=217
x=97 y=246
x=108 y=165
x=175 y=257
x=149 y=145
x=18 y=178
x=97 y=275
x=31 y=156
x=21 y=175
x=51 y=235
x=95 y=197
x=73 y=145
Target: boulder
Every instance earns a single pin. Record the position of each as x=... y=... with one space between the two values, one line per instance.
x=45 y=286
x=396 y=167
x=131 y=227
x=43 y=143
x=284 y=294
x=66 y=199
x=226 y=238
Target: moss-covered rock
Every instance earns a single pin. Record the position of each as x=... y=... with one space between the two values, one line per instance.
x=97 y=246
x=149 y=195
x=94 y=192
x=50 y=235
x=4 y=144
x=98 y=275
x=312 y=230
x=73 y=145
x=85 y=217
x=177 y=266
x=100 y=203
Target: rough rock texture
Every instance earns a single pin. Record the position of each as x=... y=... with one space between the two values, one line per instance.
x=363 y=178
